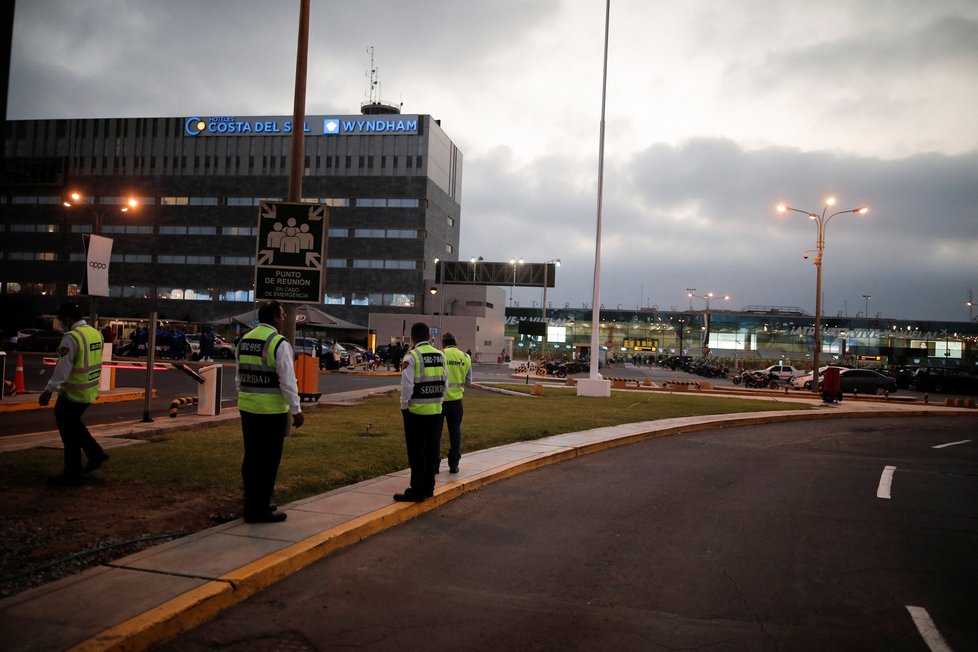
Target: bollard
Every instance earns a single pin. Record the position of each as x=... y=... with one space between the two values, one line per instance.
x=177 y=402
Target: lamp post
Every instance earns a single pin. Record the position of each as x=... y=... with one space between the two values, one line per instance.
x=515 y=263
x=706 y=314
x=821 y=221
x=867 y=297
x=98 y=214
x=546 y=279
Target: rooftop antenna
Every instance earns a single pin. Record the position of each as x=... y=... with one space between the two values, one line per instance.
x=373 y=105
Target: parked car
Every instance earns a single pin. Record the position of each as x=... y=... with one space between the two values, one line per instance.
x=223 y=350
x=945 y=381
x=23 y=333
x=782 y=371
x=865 y=381
x=804 y=381
x=40 y=341
x=357 y=352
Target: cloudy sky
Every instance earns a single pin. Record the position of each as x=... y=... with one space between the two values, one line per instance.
x=717 y=110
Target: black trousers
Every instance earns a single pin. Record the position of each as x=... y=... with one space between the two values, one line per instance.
x=453 y=419
x=264 y=438
x=74 y=435
x=422 y=432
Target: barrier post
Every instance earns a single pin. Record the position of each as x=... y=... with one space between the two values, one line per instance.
x=209 y=391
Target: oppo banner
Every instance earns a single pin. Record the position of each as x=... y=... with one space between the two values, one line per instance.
x=98 y=252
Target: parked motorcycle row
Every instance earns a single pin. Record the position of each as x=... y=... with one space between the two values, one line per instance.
x=755 y=379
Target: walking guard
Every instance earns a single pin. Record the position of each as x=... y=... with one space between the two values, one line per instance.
x=459 y=375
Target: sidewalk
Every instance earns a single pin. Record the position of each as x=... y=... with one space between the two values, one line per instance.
x=151 y=596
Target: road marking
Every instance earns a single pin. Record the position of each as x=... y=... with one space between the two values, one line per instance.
x=953 y=443
x=928 y=631
x=886 y=479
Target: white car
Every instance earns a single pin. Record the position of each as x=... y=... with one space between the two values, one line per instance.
x=783 y=371
x=805 y=380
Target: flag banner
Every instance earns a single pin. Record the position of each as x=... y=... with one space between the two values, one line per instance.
x=98 y=252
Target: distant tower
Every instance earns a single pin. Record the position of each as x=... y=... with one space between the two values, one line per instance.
x=373 y=105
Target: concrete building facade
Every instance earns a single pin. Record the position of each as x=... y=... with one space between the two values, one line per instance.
x=392 y=185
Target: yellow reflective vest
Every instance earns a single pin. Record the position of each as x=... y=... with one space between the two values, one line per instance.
x=458 y=370
x=429 y=380
x=86 y=369
x=259 y=391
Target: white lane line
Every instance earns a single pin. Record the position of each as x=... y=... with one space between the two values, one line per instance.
x=928 y=630
x=886 y=479
x=953 y=443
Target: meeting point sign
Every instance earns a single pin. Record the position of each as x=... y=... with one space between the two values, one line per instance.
x=290 y=252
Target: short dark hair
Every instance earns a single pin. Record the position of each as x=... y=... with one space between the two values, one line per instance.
x=420 y=332
x=448 y=340
x=70 y=310
x=268 y=311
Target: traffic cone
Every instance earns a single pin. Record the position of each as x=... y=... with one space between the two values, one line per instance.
x=19 y=376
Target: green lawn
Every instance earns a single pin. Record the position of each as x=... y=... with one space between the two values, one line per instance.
x=332 y=449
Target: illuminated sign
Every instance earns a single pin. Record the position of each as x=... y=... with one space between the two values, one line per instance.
x=641 y=345
x=313 y=126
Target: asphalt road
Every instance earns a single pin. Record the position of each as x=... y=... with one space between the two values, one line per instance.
x=779 y=537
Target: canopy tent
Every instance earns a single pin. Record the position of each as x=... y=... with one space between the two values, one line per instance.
x=306 y=316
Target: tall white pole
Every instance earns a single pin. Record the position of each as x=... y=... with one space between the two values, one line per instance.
x=596 y=296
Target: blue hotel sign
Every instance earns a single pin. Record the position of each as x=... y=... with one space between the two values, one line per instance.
x=314 y=125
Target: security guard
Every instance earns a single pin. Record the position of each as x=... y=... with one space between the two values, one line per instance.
x=267 y=395
x=459 y=375
x=423 y=377
x=76 y=379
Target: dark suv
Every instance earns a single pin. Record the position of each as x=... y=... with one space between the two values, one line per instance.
x=945 y=381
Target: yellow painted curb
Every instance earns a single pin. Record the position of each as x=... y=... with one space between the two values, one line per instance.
x=32 y=405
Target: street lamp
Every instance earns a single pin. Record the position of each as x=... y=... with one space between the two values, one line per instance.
x=515 y=263
x=76 y=199
x=867 y=297
x=546 y=279
x=706 y=314
x=821 y=221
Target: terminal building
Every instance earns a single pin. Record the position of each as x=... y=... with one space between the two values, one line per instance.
x=391 y=182
x=752 y=337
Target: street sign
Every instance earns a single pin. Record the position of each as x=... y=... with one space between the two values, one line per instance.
x=290 y=252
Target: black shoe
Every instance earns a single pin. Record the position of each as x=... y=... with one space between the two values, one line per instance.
x=95 y=462
x=267 y=517
x=408 y=497
x=453 y=469
x=63 y=480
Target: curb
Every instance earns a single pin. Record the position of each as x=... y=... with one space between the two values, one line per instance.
x=191 y=609
x=32 y=405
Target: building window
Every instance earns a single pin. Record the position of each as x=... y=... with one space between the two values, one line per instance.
x=174 y=201
x=369 y=233
x=339 y=233
x=34 y=228
x=239 y=230
x=173 y=230
x=246 y=261
x=202 y=230
x=336 y=262
x=334 y=300
x=237 y=295
x=449 y=248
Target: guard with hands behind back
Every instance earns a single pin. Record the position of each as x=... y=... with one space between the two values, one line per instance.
x=267 y=396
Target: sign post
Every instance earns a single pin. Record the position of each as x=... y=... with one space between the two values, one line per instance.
x=290 y=252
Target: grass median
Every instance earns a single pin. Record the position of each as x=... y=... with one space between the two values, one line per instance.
x=342 y=445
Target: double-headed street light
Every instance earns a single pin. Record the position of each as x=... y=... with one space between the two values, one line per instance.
x=546 y=280
x=706 y=314
x=821 y=221
x=515 y=262
x=76 y=199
